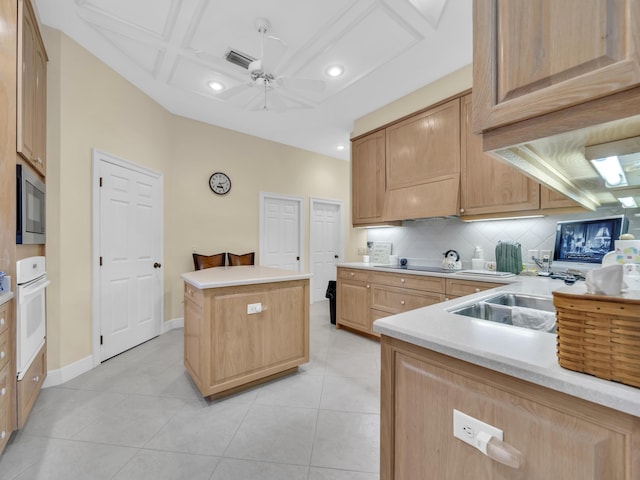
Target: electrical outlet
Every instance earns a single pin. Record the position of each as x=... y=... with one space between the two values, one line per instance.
x=467 y=428
x=362 y=251
x=254 y=308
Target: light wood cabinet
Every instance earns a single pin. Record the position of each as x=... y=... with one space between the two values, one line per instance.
x=368 y=178
x=459 y=288
x=533 y=58
x=29 y=386
x=558 y=436
x=32 y=89
x=227 y=348
x=488 y=184
x=423 y=164
x=7 y=379
x=353 y=290
x=550 y=199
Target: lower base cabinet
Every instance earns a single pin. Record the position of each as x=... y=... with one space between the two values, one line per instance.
x=559 y=436
x=29 y=386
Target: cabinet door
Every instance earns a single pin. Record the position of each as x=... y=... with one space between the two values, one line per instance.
x=490 y=185
x=531 y=58
x=367 y=178
x=40 y=109
x=552 y=199
x=353 y=305
x=554 y=444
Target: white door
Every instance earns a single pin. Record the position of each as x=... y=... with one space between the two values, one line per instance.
x=130 y=255
x=280 y=232
x=325 y=245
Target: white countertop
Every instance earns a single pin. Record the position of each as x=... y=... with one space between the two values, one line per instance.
x=522 y=353
x=5 y=297
x=243 y=275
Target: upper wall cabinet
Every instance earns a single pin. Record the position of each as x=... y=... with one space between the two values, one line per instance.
x=423 y=164
x=367 y=178
x=489 y=185
x=533 y=58
x=32 y=89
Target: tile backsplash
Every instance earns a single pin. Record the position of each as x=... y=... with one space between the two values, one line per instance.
x=425 y=241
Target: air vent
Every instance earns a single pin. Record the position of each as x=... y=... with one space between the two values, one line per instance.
x=238 y=58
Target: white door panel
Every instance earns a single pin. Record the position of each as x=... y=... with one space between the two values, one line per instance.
x=130 y=247
x=281 y=232
x=326 y=245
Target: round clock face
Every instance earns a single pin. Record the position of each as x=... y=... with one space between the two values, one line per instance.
x=220 y=183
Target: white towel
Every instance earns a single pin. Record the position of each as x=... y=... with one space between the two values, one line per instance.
x=533 y=319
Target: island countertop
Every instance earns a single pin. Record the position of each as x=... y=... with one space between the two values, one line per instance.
x=521 y=353
x=242 y=275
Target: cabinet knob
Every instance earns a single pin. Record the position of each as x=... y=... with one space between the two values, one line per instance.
x=352 y=274
x=462 y=210
x=2 y=322
x=477 y=290
x=3 y=354
x=3 y=435
x=36 y=379
x=3 y=392
x=368 y=286
x=401 y=302
x=402 y=280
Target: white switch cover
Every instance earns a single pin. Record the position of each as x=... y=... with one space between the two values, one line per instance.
x=467 y=428
x=254 y=308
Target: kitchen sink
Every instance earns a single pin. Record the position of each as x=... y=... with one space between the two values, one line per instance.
x=518 y=309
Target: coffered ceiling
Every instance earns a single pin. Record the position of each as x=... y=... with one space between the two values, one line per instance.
x=172 y=49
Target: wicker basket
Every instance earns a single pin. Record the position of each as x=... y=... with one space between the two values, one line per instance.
x=599 y=335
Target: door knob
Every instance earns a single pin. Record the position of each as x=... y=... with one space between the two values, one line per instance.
x=156 y=265
x=336 y=256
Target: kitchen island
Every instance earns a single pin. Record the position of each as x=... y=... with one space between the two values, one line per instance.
x=565 y=424
x=244 y=325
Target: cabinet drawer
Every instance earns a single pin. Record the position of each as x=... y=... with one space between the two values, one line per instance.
x=30 y=384
x=194 y=294
x=4 y=317
x=415 y=282
x=397 y=300
x=467 y=287
x=353 y=274
x=4 y=349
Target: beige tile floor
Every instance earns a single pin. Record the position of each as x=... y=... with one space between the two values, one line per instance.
x=138 y=416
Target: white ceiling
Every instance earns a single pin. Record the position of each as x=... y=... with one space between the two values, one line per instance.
x=171 y=49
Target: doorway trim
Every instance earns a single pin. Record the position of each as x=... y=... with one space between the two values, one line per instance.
x=313 y=201
x=301 y=224
x=97 y=157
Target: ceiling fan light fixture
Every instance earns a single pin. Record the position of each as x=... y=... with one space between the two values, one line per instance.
x=335 y=71
x=215 y=86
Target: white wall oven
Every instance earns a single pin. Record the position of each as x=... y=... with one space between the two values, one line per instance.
x=31 y=275
x=30 y=199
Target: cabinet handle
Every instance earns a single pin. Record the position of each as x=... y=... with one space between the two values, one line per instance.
x=2 y=354
x=2 y=322
x=36 y=379
x=3 y=435
x=3 y=392
x=498 y=450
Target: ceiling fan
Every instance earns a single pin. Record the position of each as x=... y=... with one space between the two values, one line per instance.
x=263 y=79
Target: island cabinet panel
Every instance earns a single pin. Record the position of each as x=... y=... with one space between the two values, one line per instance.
x=559 y=437
x=533 y=58
x=227 y=348
x=423 y=164
x=353 y=299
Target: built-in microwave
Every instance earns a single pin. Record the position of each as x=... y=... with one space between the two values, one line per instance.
x=30 y=198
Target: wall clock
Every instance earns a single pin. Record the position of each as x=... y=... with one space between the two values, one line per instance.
x=220 y=183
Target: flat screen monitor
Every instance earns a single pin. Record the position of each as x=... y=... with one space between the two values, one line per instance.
x=587 y=241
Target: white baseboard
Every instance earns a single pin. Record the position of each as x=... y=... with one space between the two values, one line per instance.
x=64 y=374
x=172 y=324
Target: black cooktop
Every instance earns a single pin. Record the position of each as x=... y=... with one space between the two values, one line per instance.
x=419 y=268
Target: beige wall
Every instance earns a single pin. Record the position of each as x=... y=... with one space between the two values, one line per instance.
x=452 y=84
x=91 y=106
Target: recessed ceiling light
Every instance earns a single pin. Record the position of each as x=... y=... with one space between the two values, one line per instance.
x=335 y=70
x=628 y=202
x=340 y=147
x=215 y=86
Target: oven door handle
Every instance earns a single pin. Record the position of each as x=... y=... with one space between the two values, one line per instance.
x=33 y=289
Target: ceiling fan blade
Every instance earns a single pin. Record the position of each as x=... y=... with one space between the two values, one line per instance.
x=231 y=92
x=275 y=101
x=307 y=84
x=274 y=50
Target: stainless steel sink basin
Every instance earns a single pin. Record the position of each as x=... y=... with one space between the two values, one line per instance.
x=530 y=311
x=523 y=300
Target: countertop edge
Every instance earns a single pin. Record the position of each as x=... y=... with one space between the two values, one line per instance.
x=5 y=297
x=236 y=276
